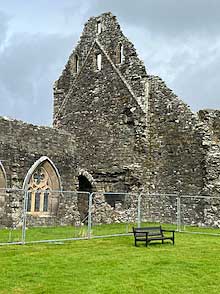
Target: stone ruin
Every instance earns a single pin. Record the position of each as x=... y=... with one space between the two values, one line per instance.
x=115 y=129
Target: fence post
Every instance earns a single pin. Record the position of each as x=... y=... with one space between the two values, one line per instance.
x=139 y=211
x=179 y=213
x=90 y=216
x=24 y=220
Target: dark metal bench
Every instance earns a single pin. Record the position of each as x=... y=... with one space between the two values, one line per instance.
x=148 y=234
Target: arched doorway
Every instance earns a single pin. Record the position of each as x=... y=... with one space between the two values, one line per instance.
x=85 y=187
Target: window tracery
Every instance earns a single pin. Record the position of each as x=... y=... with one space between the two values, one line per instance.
x=39 y=191
x=42 y=189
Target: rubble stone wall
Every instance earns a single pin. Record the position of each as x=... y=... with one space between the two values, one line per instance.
x=21 y=145
x=121 y=129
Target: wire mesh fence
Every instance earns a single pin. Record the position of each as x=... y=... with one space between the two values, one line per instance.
x=49 y=216
x=199 y=214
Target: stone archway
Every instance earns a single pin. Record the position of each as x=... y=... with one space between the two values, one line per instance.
x=86 y=185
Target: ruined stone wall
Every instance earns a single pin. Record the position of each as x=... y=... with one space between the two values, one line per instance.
x=211 y=145
x=111 y=37
x=128 y=126
x=21 y=145
x=176 y=150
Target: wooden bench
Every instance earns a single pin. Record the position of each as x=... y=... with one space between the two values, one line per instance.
x=148 y=234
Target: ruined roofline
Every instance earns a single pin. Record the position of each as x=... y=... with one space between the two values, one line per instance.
x=89 y=37
x=114 y=68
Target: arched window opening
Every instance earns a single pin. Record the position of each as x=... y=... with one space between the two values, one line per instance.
x=76 y=63
x=40 y=182
x=98 y=61
x=84 y=184
x=99 y=27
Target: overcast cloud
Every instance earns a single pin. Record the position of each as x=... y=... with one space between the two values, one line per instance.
x=178 y=40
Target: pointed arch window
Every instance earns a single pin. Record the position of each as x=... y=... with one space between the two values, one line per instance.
x=43 y=184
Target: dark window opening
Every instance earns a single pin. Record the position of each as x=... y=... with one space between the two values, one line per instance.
x=114 y=199
x=84 y=184
x=99 y=27
x=120 y=54
x=128 y=116
x=37 y=201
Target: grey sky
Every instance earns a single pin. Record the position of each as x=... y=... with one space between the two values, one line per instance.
x=178 y=40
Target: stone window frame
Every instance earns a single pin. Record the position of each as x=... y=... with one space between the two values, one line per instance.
x=98 y=27
x=38 y=190
x=98 y=61
x=120 y=54
x=76 y=63
x=31 y=187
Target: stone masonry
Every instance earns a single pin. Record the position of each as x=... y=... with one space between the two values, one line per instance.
x=116 y=129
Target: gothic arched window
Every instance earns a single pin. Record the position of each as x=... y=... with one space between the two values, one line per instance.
x=43 y=185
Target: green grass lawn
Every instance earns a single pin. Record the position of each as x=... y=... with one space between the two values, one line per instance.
x=112 y=265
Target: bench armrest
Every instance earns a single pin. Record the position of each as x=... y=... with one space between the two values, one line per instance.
x=168 y=231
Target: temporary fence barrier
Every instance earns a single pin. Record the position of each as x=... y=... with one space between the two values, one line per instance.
x=49 y=216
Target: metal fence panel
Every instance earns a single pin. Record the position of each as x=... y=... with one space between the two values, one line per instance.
x=11 y=216
x=159 y=209
x=199 y=214
x=46 y=216
x=113 y=213
x=66 y=218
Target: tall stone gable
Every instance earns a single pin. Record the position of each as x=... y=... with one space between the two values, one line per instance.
x=132 y=132
x=105 y=109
